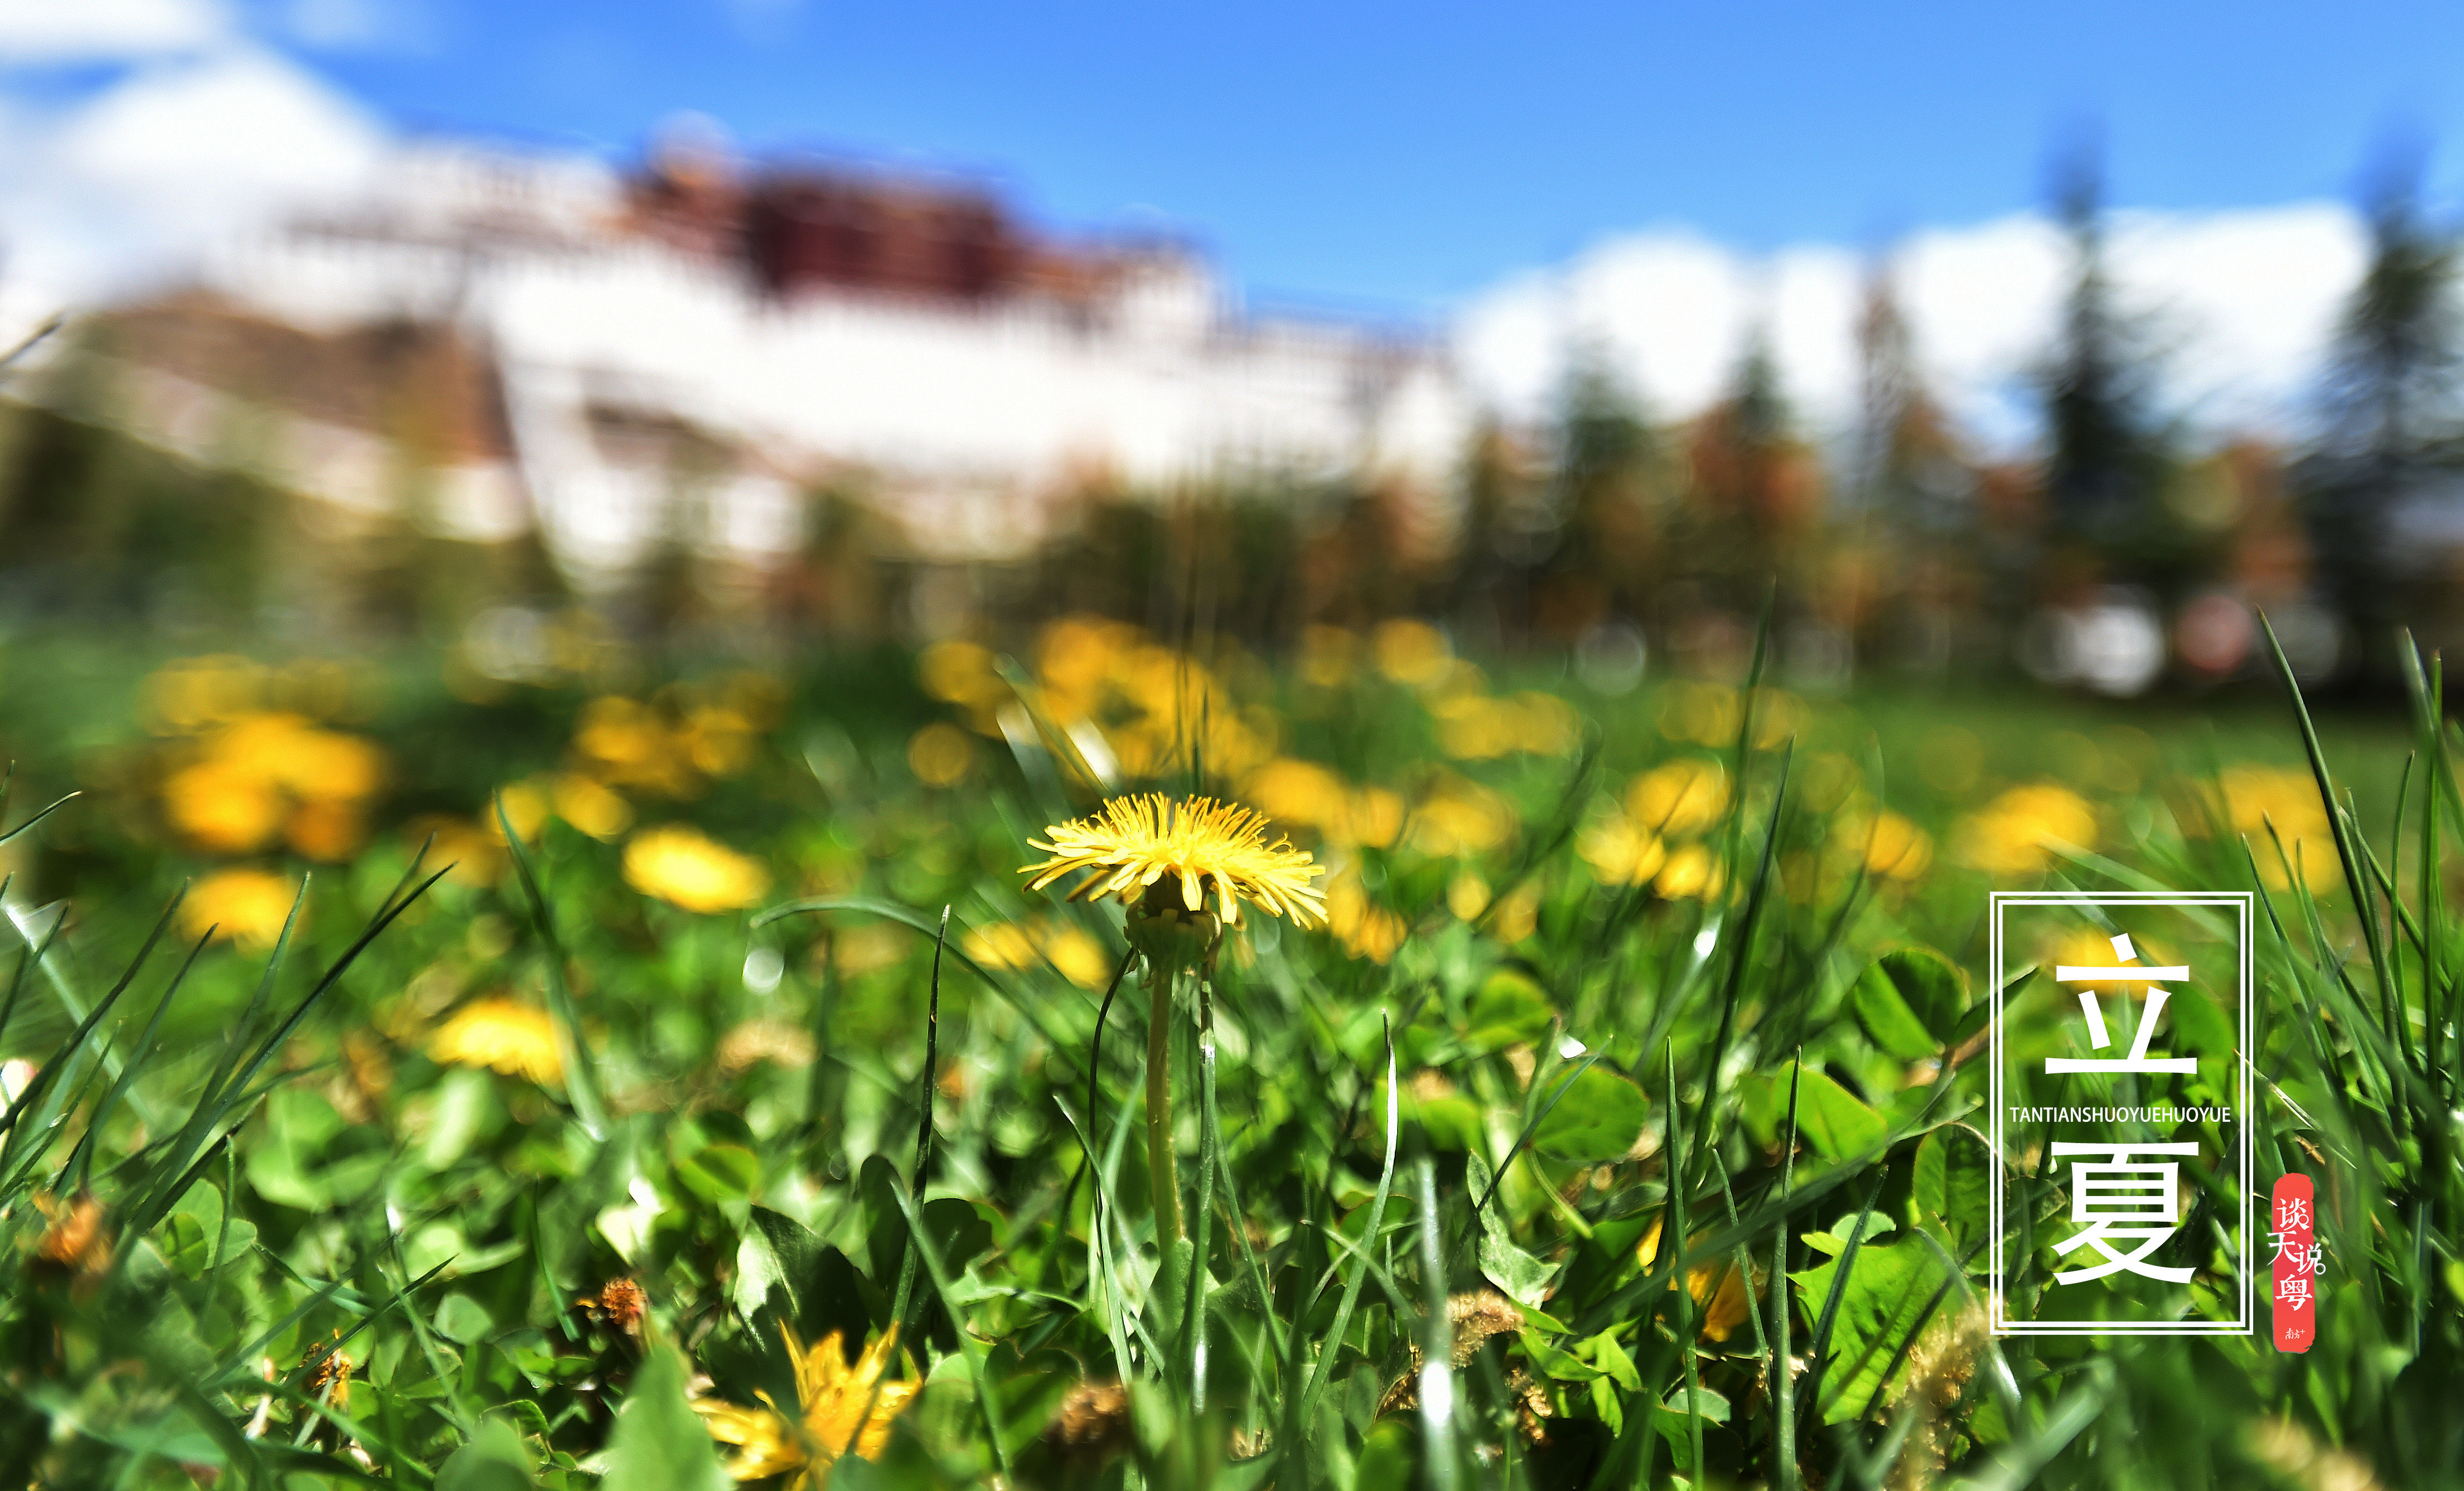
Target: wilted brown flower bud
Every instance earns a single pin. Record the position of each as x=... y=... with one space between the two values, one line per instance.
x=620 y=1303
x=75 y=1241
x=1092 y=1426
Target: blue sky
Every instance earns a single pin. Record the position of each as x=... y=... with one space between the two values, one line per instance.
x=1657 y=180
x=1413 y=154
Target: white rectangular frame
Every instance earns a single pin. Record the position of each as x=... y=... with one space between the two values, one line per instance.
x=1997 y=1317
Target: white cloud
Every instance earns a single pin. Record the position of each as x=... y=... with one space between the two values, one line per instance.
x=361 y=25
x=152 y=171
x=2243 y=306
x=39 y=32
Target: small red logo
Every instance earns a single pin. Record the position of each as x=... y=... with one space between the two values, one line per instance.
x=2297 y=1257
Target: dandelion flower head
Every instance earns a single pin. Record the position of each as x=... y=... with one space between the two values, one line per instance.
x=1201 y=845
x=835 y=1404
x=514 y=1038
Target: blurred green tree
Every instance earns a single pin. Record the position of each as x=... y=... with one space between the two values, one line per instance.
x=2392 y=428
x=2111 y=449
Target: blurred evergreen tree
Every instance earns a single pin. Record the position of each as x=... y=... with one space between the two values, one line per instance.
x=1757 y=488
x=1604 y=514
x=2111 y=450
x=2391 y=427
x=1918 y=549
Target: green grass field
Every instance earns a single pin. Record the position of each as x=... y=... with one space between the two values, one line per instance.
x=666 y=1135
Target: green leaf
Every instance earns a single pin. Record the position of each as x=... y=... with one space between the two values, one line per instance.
x=494 y=1460
x=1886 y=1301
x=1511 y=1010
x=1954 y=1177
x=1597 y=1121
x=659 y=1443
x=823 y=1290
x=1886 y=1019
x=1524 y=1278
x=1614 y=1364
x=1452 y=1124
x=2198 y=1026
x=1701 y=1403
x=1391 y=1455
x=1910 y=1002
x=720 y=1171
x=1833 y=1122
x=464 y=1320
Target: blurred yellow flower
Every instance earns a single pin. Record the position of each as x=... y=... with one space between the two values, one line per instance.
x=1467 y=895
x=1679 y=798
x=262 y=774
x=515 y=1038
x=589 y=807
x=1517 y=916
x=1411 y=652
x=2011 y=835
x=2255 y=796
x=1717 y=1286
x=474 y=853
x=2086 y=947
x=1458 y=817
x=221 y=806
x=199 y=693
x=1080 y=957
x=863 y=950
x=1620 y=854
x=1710 y=715
x=1364 y=928
x=1002 y=945
x=244 y=905
x=719 y=741
x=836 y=1405
x=940 y=755
x=1327 y=655
x=1705 y=713
x=629 y=743
x=1371 y=816
x=1476 y=727
x=325 y=830
x=686 y=867
x=305 y=761
x=1303 y=794
x=1206 y=848
x=1896 y=848
x=1692 y=873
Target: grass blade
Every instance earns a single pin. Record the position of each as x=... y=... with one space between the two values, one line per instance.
x=580 y=1071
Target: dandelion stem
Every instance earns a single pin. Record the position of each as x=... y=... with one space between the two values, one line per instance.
x=1161 y=1172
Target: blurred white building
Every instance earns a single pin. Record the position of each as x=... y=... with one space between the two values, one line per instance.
x=679 y=356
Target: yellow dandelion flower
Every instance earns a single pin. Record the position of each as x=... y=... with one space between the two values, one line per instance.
x=1459 y=818
x=2256 y=796
x=1199 y=844
x=835 y=1404
x=1680 y=797
x=1620 y=854
x=589 y=807
x=1692 y=873
x=1080 y=957
x=1896 y=848
x=1298 y=791
x=515 y=1038
x=2013 y=834
x=221 y=806
x=685 y=868
x=1718 y=1288
x=1364 y=928
x=245 y=906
